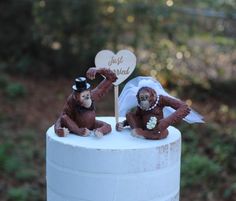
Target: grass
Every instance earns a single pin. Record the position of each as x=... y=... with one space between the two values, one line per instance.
x=22 y=161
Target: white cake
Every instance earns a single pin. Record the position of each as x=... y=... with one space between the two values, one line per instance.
x=116 y=167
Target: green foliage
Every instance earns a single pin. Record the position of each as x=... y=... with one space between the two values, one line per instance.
x=3 y=81
x=26 y=174
x=208 y=155
x=9 y=162
x=15 y=20
x=223 y=41
x=15 y=90
x=17 y=164
x=4 y=148
x=229 y=191
x=23 y=193
x=47 y=37
x=18 y=194
x=198 y=170
x=12 y=164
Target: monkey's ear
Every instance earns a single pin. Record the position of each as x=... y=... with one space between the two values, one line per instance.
x=154 y=94
x=74 y=95
x=137 y=96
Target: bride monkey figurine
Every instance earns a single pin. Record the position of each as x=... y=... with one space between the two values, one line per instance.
x=155 y=111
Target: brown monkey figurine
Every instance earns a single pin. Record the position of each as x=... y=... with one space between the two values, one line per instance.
x=148 y=122
x=78 y=115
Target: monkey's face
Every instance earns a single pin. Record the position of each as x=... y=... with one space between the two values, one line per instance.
x=146 y=98
x=84 y=99
x=143 y=99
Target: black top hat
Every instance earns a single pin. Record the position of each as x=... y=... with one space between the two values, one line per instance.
x=81 y=84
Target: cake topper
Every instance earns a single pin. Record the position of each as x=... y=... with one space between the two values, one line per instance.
x=155 y=109
x=78 y=115
x=122 y=64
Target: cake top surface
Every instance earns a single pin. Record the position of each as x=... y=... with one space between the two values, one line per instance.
x=114 y=140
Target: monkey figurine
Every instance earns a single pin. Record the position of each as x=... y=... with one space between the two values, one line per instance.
x=78 y=115
x=147 y=121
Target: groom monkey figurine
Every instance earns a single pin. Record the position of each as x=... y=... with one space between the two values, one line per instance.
x=78 y=115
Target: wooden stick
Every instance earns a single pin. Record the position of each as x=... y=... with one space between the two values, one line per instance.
x=116 y=94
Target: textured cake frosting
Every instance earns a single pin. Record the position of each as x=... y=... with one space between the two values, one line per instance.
x=116 y=167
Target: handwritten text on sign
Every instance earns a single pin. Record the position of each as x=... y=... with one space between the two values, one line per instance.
x=114 y=60
x=118 y=61
x=122 y=63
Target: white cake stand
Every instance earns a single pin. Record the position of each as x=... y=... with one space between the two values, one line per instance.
x=117 y=167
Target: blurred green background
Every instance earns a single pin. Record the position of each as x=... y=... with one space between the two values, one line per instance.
x=189 y=46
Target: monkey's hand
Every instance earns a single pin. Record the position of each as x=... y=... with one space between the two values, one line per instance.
x=98 y=133
x=91 y=73
x=162 y=125
x=84 y=132
x=107 y=73
x=120 y=126
x=62 y=132
x=59 y=132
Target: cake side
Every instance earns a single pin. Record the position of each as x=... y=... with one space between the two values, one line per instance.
x=116 y=167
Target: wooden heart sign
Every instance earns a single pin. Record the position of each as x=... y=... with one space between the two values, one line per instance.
x=122 y=64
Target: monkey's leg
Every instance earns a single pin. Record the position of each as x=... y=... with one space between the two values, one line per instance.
x=67 y=122
x=133 y=120
x=102 y=127
x=151 y=135
x=163 y=134
x=156 y=135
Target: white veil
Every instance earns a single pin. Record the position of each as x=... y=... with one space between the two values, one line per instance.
x=128 y=100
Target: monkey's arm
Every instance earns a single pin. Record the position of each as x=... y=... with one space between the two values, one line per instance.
x=105 y=85
x=182 y=110
x=67 y=110
x=133 y=119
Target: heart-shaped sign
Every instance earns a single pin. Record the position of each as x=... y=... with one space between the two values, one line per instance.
x=122 y=64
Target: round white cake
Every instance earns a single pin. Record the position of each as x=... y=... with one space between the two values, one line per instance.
x=116 y=167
